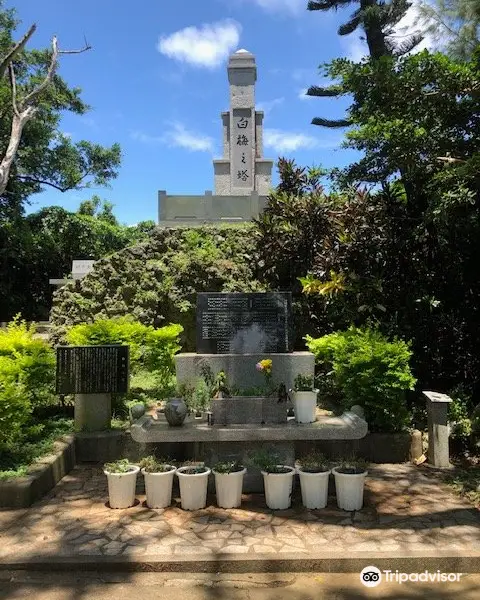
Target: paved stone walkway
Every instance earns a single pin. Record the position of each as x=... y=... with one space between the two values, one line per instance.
x=407 y=510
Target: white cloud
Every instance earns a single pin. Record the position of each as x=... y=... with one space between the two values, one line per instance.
x=269 y=105
x=178 y=136
x=191 y=140
x=206 y=46
x=292 y=6
x=284 y=141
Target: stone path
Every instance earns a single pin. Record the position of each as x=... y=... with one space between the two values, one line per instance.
x=407 y=511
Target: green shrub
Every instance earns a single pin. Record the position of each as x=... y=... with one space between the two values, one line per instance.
x=27 y=377
x=361 y=366
x=460 y=414
x=149 y=347
x=151 y=350
x=156 y=282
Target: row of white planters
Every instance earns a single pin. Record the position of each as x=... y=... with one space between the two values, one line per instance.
x=193 y=488
x=314 y=487
x=158 y=488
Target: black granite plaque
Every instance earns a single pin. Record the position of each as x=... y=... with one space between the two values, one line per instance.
x=92 y=369
x=244 y=323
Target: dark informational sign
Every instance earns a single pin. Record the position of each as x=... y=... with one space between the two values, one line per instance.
x=92 y=369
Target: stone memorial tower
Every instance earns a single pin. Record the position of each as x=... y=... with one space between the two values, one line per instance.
x=242 y=169
x=242 y=177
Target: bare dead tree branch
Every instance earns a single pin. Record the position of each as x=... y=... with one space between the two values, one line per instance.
x=24 y=109
x=450 y=160
x=49 y=77
x=15 y=50
x=13 y=84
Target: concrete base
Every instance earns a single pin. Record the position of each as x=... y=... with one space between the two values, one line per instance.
x=93 y=412
x=111 y=445
x=240 y=368
x=44 y=475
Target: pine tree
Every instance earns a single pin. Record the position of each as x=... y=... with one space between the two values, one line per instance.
x=377 y=19
x=454 y=25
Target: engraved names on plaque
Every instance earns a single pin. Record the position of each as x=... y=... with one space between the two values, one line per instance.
x=244 y=323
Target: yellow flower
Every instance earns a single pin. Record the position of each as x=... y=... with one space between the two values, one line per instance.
x=265 y=365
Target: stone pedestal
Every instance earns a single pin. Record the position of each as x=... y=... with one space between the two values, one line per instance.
x=240 y=368
x=438 y=433
x=93 y=412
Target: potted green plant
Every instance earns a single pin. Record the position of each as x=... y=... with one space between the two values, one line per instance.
x=122 y=479
x=304 y=398
x=228 y=483
x=277 y=479
x=314 y=473
x=158 y=476
x=200 y=398
x=350 y=476
x=193 y=480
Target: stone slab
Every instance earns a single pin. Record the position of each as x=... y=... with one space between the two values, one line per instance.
x=240 y=369
x=347 y=426
x=238 y=323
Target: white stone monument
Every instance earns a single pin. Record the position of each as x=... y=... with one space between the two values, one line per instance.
x=80 y=268
x=242 y=176
x=242 y=168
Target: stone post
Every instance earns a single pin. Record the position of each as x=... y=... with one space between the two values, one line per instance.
x=93 y=412
x=438 y=451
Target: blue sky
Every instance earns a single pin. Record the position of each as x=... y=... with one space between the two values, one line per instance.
x=156 y=80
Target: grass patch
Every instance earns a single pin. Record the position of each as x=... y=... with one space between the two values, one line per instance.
x=15 y=461
x=466 y=483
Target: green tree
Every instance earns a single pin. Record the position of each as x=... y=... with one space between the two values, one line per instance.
x=377 y=19
x=416 y=117
x=33 y=151
x=42 y=245
x=454 y=24
x=96 y=208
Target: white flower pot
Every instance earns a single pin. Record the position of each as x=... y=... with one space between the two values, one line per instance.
x=193 y=488
x=158 y=488
x=278 y=488
x=228 y=488
x=349 y=489
x=314 y=488
x=121 y=488
x=305 y=406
